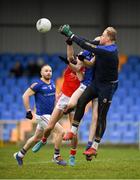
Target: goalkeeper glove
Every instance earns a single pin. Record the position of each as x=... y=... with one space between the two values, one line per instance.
x=29 y=115
x=65 y=30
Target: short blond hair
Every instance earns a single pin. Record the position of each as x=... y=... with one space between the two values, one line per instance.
x=112 y=33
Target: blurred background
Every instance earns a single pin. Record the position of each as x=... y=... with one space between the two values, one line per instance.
x=23 y=50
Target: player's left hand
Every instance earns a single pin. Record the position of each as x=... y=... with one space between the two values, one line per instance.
x=29 y=115
x=65 y=30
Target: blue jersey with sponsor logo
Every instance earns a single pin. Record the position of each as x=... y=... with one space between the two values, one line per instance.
x=44 y=97
x=89 y=72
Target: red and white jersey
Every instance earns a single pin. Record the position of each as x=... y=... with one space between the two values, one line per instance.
x=71 y=82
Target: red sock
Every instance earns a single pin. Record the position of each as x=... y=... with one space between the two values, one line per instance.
x=44 y=140
x=73 y=152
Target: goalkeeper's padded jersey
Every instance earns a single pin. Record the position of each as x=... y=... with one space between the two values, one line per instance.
x=44 y=97
x=71 y=82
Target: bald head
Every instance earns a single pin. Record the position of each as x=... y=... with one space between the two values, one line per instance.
x=46 y=72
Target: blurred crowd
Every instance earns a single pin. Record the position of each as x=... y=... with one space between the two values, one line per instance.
x=32 y=68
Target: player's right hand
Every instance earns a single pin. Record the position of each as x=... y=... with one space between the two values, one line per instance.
x=81 y=57
x=65 y=30
x=29 y=115
x=69 y=41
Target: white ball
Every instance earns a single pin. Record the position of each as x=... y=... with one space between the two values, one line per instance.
x=43 y=25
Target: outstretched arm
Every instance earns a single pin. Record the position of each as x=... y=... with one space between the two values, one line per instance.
x=97 y=50
x=85 y=44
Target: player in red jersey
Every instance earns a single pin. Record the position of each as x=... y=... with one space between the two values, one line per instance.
x=70 y=84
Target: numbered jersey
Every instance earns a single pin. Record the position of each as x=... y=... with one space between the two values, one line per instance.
x=44 y=97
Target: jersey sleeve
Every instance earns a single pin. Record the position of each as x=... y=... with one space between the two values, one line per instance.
x=35 y=87
x=97 y=50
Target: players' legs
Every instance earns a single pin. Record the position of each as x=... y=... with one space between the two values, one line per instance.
x=103 y=108
x=85 y=98
x=35 y=138
x=93 y=124
x=104 y=102
x=58 y=132
x=51 y=121
x=74 y=144
x=75 y=96
x=29 y=143
x=55 y=116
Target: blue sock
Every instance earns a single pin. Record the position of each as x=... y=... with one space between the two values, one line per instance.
x=89 y=144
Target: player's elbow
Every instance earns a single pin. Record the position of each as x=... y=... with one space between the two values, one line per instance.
x=24 y=96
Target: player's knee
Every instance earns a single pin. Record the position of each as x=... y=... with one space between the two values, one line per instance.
x=50 y=127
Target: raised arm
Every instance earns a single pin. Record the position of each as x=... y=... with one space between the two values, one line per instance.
x=85 y=44
x=70 y=56
x=70 y=50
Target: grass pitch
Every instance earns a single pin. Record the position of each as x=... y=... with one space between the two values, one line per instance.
x=111 y=163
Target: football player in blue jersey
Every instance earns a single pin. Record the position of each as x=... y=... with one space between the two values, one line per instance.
x=44 y=92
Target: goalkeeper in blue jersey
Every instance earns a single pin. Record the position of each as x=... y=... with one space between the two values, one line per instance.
x=44 y=92
x=104 y=83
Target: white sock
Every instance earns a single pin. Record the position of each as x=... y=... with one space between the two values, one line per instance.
x=20 y=154
x=74 y=130
x=56 y=155
x=95 y=145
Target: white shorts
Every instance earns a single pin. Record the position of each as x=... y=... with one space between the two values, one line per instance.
x=62 y=102
x=42 y=121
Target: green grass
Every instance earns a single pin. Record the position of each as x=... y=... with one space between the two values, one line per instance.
x=111 y=163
